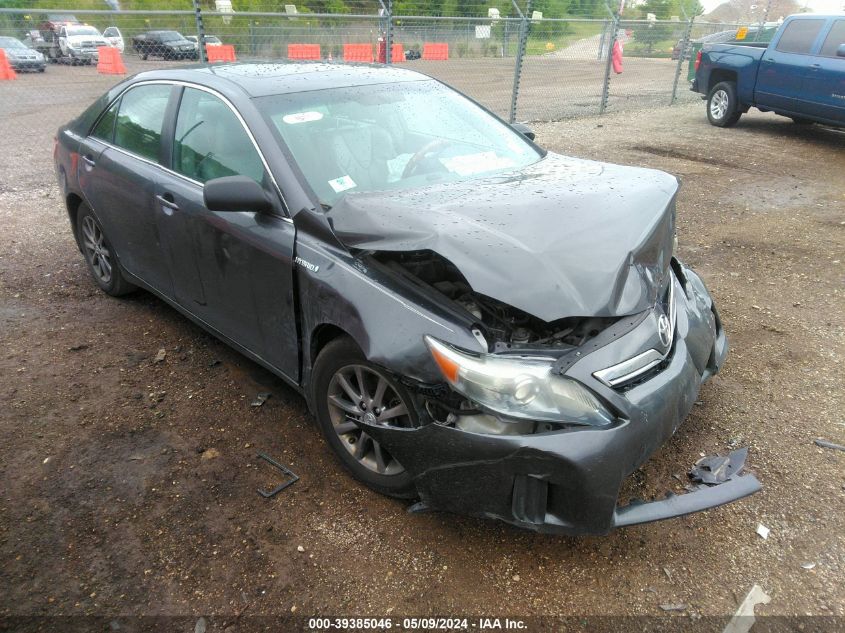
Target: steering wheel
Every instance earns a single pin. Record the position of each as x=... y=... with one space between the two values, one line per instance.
x=432 y=147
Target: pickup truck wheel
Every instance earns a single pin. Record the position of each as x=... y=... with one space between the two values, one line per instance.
x=346 y=390
x=722 y=105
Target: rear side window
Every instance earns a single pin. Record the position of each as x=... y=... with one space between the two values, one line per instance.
x=211 y=142
x=140 y=119
x=104 y=130
x=799 y=35
x=834 y=39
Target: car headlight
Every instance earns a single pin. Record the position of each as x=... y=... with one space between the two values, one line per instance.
x=520 y=388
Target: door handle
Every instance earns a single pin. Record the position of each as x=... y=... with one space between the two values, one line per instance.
x=166 y=200
x=88 y=160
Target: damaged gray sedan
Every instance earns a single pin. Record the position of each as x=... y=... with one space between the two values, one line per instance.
x=476 y=323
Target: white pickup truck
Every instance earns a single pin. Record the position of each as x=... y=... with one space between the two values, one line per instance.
x=67 y=41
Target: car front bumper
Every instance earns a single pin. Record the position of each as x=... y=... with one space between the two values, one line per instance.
x=27 y=64
x=568 y=481
x=85 y=55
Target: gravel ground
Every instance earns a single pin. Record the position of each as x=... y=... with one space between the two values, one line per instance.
x=128 y=486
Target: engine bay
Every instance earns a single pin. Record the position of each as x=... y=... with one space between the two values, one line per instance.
x=504 y=327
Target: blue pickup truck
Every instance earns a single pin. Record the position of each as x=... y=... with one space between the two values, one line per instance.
x=799 y=74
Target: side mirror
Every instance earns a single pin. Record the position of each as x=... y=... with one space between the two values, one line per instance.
x=840 y=52
x=524 y=130
x=235 y=193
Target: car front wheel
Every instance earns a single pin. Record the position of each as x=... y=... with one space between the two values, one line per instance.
x=722 y=105
x=349 y=392
x=99 y=255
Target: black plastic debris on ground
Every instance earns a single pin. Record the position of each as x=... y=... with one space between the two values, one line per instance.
x=826 y=444
x=292 y=477
x=260 y=399
x=716 y=469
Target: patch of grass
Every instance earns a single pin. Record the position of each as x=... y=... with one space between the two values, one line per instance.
x=560 y=35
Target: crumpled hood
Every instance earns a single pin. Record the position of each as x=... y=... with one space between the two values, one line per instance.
x=563 y=237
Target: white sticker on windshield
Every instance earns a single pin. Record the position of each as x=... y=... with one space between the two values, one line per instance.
x=302 y=117
x=471 y=164
x=342 y=184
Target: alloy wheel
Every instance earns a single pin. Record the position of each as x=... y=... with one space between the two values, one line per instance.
x=719 y=103
x=360 y=394
x=97 y=250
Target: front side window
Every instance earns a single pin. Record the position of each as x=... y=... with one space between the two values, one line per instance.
x=834 y=39
x=104 y=130
x=140 y=120
x=211 y=142
x=799 y=35
x=391 y=136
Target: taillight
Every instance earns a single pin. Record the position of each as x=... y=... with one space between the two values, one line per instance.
x=697 y=60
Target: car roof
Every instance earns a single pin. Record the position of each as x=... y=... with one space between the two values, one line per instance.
x=811 y=16
x=262 y=79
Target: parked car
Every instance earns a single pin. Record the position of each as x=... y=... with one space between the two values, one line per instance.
x=476 y=322
x=114 y=37
x=164 y=44
x=210 y=40
x=800 y=74
x=20 y=57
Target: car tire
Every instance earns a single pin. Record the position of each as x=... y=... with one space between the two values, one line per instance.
x=99 y=255
x=365 y=459
x=42 y=69
x=722 y=105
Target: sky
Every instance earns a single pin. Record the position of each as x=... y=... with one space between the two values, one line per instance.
x=817 y=6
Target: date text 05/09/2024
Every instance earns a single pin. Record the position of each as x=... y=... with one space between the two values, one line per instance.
x=412 y=624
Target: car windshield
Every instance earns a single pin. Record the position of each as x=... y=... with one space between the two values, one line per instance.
x=10 y=42
x=170 y=36
x=83 y=30
x=391 y=136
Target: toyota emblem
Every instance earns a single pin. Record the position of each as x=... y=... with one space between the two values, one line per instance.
x=664 y=330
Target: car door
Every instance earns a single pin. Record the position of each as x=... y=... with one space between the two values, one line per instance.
x=231 y=269
x=780 y=79
x=63 y=41
x=825 y=83
x=114 y=37
x=118 y=169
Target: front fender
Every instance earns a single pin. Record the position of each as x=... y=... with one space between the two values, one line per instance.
x=387 y=321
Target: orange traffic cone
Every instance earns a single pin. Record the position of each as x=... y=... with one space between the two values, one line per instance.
x=6 y=71
x=109 y=62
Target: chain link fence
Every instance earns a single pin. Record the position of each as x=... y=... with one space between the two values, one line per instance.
x=520 y=66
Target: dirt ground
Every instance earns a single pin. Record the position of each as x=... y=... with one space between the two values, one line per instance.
x=128 y=486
